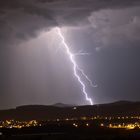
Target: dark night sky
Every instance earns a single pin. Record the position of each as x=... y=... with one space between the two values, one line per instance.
x=34 y=68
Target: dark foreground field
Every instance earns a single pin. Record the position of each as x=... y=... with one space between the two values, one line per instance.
x=69 y=133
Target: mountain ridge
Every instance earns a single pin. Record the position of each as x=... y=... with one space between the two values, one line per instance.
x=63 y=111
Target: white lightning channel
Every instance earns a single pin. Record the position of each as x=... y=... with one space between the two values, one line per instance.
x=80 y=54
x=75 y=66
x=83 y=73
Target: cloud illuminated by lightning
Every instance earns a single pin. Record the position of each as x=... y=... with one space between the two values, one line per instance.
x=75 y=67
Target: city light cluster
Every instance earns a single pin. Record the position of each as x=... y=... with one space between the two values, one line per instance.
x=122 y=122
x=125 y=126
x=17 y=124
x=104 y=118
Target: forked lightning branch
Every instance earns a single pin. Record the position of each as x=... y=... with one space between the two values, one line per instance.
x=76 y=68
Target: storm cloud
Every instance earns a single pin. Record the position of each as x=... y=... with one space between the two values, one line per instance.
x=31 y=72
x=21 y=20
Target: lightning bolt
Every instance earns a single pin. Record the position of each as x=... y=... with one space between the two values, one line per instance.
x=80 y=54
x=75 y=67
x=83 y=73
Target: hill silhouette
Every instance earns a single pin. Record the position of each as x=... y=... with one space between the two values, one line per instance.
x=62 y=111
